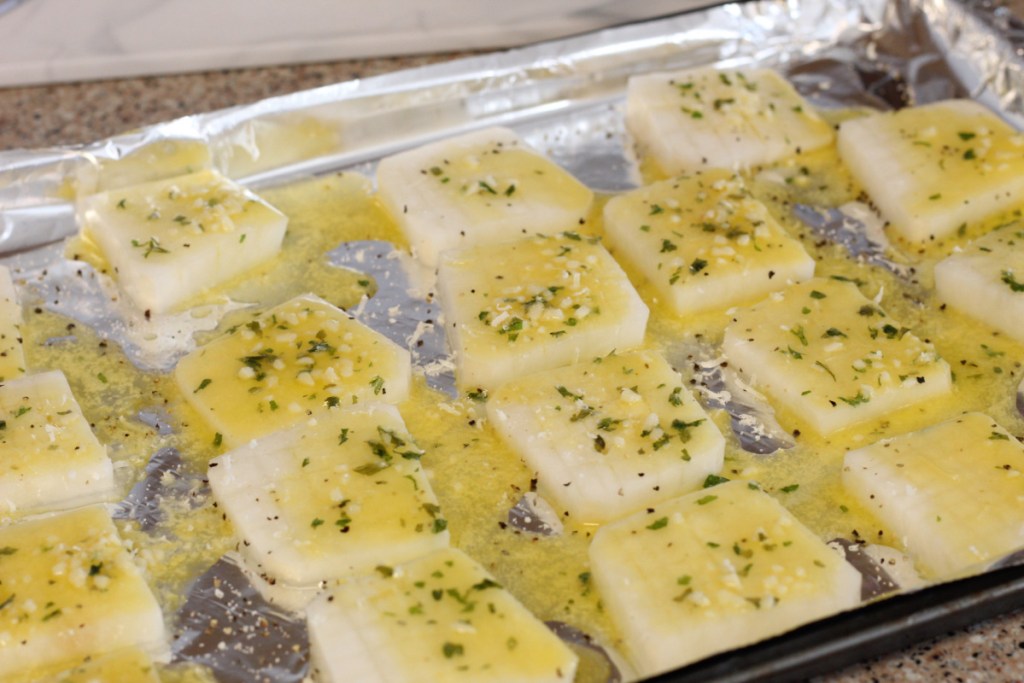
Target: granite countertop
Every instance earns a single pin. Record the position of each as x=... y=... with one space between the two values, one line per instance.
x=73 y=113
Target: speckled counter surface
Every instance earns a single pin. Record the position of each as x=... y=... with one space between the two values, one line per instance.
x=81 y=112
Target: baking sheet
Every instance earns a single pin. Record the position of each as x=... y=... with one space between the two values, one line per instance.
x=565 y=98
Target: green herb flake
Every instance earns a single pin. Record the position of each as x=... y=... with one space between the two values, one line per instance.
x=378 y=384
x=826 y=369
x=202 y=385
x=790 y=351
x=1011 y=282
x=698 y=265
x=815 y=294
x=684 y=428
x=316 y=522
x=659 y=523
x=450 y=650
x=790 y=488
x=706 y=499
x=855 y=400
x=798 y=332
x=714 y=480
x=152 y=246
x=567 y=394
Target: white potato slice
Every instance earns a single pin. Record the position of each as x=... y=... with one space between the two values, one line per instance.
x=70 y=590
x=12 y=355
x=342 y=492
x=703 y=242
x=169 y=240
x=453 y=621
x=707 y=118
x=535 y=304
x=49 y=457
x=950 y=493
x=609 y=435
x=714 y=570
x=831 y=356
x=483 y=187
x=933 y=168
x=986 y=280
x=292 y=361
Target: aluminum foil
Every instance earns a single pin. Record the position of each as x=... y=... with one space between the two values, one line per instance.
x=565 y=97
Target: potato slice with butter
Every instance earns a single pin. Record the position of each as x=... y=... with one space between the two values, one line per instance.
x=129 y=665
x=832 y=357
x=453 y=622
x=292 y=361
x=69 y=589
x=706 y=118
x=714 y=570
x=483 y=187
x=609 y=435
x=952 y=494
x=337 y=494
x=985 y=280
x=169 y=240
x=703 y=242
x=534 y=304
x=49 y=457
x=933 y=168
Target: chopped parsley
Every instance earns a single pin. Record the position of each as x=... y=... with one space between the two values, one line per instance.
x=714 y=480
x=659 y=523
x=150 y=247
x=1011 y=282
x=855 y=400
